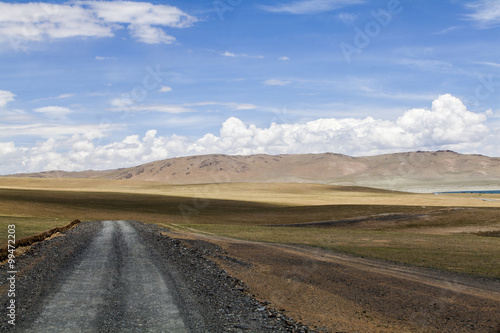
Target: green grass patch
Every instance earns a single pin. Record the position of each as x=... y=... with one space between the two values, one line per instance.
x=28 y=226
x=463 y=253
x=32 y=239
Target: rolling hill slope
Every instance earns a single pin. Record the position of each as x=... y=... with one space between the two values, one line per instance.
x=412 y=171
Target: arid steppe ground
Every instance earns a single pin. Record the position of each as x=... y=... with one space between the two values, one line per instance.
x=349 y=259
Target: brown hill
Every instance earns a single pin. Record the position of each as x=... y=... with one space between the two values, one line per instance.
x=415 y=171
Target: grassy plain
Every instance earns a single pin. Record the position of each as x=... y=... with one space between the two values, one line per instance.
x=303 y=194
x=459 y=252
x=440 y=231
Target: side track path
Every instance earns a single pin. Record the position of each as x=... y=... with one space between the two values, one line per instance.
x=123 y=276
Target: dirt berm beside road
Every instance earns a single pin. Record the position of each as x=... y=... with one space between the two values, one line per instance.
x=124 y=276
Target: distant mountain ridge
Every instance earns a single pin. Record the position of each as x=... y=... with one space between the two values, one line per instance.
x=415 y=171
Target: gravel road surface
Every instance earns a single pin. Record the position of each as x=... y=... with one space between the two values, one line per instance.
x=125 y=276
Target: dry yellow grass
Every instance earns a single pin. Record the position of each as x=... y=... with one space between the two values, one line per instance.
x=241 y=209
x=288 y=194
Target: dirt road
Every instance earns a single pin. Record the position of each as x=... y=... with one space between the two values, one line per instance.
x=115 y=286
x=120 y=276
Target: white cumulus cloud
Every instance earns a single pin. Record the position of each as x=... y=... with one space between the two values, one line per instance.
x=447 y=124
x=7 y=148
x=38 y=21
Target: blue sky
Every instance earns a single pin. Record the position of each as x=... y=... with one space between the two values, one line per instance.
x=108 y=84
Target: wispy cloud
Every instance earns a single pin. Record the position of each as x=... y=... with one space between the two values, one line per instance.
x=446 y=30
x=165 y=89
x=122 y=105
x=6 y=97
x=15 y=116
x=346 y=18
x=230 y=105
x=275 y=82
x=174 y=109
x=245 y=106
x=104 y=58
x=427 y=64
x=54 y=111
x=234 y=55
x=45 y=130
x=62 y=96
x=488 y=63
x=403 y=96
x=485 y=12
x=284 y=58
x=309 y=6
